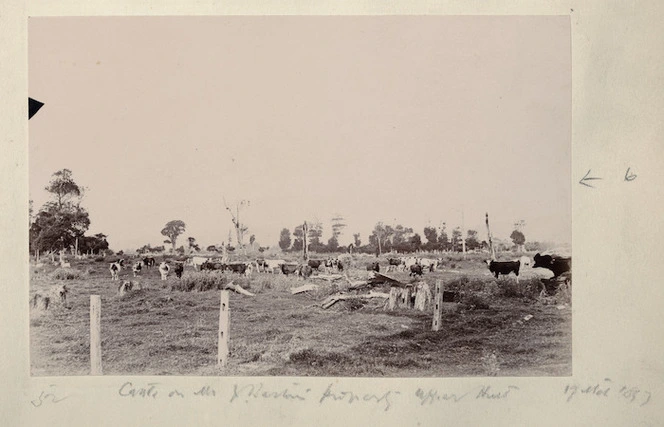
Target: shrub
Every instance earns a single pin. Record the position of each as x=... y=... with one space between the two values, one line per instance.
x=526 y=288
x=66 y=274
x=475 y=302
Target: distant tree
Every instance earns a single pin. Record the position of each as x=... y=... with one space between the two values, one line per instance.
x=456 y=239
x=211 y=248
x=518 y=239
x=472 y=241
x=193 y=246
x=285 y=239
x=356 y=240
x=416 y=242
x=180 y=250
x=252 y=240
x=172 y=230
x=338 y=225
x=443 y=239
x=431 y=234
x=298 y=238
x=94 y=244
x=314 y=235
x=332 y=244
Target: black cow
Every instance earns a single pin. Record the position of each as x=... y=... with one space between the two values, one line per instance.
x=504 y=267
x=261 y=264
x=208 y=265
x=239 y=268
x=289 y=268
x=149 y=262
x=558 y=265
x=178 y=269
x=315 y=263
x=373 y=266
x=416 y=270
x=305 y=270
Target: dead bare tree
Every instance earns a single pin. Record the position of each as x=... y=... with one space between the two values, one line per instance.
x=240 y=229
x=491 y=248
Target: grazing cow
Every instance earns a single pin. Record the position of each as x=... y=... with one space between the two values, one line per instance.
x=261 y=266
x=197 y=261
x=525 y=261
x=373 y=266
x=557 y=265
x=332 y=263
x=315 y=263
x=428 y=263
x=209 y=265
x=407 y=262
x=136 y=268
x=178 y=269
x=289 y=268
x=125 y=287
x=238 y=267
x=115 y=269
x=271 y=264
x=415 y=270
x=393 y=264
x=149 y=262
x=163 y=270
x=305 y=271
x=504 y=267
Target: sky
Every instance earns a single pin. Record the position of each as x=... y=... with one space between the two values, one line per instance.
x=405 y=120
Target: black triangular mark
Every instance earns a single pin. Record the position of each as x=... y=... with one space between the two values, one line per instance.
x=33 y=107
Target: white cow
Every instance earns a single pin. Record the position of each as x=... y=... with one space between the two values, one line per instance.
x=428 y=263
x=115 y=269
x=137 y=267
x=197 y=261
x=163 y=270
x=271 y=264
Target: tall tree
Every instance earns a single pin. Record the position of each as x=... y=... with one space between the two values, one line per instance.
x=172 y=230
x=356 y=240
x=456 y=238
x=240 y=228
x=284 y=239
x=298 y=238
x=443 y=239
x=431 y=234
x=62 y=220
x=193 y=246
x=518 y=239
x=64 y=189
x=472 y=240
x=338 y=225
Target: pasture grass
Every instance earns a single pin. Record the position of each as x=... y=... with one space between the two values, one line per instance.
x=170 y=327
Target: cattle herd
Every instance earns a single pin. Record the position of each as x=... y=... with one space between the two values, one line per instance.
x=415 y=266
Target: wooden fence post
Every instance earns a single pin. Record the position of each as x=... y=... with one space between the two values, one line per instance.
x=95 y=335
x=437 y=306
x=224 y=329
x=394 y=295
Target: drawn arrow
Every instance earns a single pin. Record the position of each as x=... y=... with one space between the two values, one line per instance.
x=587 y=178
x=33 y=107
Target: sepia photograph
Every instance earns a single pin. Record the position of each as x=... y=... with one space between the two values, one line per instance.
x=323 y=196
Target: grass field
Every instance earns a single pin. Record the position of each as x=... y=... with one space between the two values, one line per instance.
x=160 y=330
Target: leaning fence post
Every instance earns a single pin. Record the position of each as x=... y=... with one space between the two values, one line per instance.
x=437 y=306
x=224 y=328
x=95 y=335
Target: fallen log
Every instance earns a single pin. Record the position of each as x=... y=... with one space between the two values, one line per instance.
x=303 y=288
x=238 y=289
x=379 y=279
x=331 y=300
x=328 y=277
